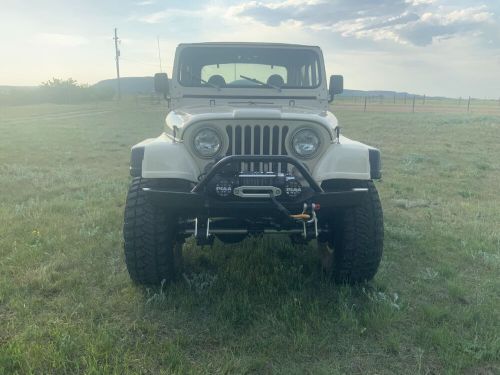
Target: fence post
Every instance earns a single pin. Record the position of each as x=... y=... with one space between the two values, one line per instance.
x=413 y=105
x=364 y=110
x=405 y=97
x=394 y=98
x=423 y=100
x=468 y=105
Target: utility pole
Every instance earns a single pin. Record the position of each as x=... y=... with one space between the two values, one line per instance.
x=117 y=56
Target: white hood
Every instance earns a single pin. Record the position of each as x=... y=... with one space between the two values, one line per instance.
x=180 y=119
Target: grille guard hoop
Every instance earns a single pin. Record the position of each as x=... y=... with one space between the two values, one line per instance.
x=255 y=159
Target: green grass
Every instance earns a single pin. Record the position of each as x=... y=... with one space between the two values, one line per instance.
x=68 y=306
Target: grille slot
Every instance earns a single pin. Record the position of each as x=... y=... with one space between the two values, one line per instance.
x=258 y=140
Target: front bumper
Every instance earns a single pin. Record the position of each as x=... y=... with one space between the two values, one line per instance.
x=198 y=203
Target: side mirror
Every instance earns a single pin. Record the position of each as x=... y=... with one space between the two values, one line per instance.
x=336 y=85
x=161 y=84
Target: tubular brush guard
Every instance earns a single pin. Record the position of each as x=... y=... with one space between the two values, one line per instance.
x=198 y=202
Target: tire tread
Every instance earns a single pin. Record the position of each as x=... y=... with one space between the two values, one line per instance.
x=149 y=237
x=357 y=238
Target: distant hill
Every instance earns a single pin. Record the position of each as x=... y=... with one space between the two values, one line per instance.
x=129 y=85
x=6 y=89
x=383 y=93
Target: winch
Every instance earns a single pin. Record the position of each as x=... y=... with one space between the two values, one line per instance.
x=255 y=184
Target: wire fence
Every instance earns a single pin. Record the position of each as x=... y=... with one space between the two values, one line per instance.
x=416 y=103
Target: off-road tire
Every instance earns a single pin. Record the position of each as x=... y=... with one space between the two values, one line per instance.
x=153 y=250
x=353 y=249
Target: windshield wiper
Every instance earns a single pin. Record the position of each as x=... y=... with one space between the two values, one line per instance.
x=205 y=82
x=261 y=83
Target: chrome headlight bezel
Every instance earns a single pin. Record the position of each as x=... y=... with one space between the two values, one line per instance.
x=216 y=150
x=293 y=142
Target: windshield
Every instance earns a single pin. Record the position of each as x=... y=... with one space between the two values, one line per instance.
x=243 y=67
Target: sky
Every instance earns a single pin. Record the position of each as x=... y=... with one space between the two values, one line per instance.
x=432 y=47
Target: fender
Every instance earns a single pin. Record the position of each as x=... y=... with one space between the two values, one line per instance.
x=348 y=160
x=163 y=158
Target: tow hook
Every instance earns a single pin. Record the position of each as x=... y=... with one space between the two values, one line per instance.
x=309 y=220
x=307 y=217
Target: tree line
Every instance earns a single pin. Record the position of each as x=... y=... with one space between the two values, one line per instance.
x=55 y=90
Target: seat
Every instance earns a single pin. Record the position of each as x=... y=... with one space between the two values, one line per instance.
x=275 y=80
x=217 y=80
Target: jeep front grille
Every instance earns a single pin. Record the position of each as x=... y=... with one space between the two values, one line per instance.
x=258 y=140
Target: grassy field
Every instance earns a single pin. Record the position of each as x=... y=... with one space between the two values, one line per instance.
x=68 y=306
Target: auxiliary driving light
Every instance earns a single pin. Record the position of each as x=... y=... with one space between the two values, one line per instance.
x=224 y=188
x=293 y=188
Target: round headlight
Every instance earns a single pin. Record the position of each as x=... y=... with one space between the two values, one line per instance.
x=305 y=142
x=207 y=142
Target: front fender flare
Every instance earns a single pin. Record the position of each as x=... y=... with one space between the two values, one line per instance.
x=163 y=158
x=348 y=160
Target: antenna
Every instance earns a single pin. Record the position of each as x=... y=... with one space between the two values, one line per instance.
x=159 y=53
x=117 y=58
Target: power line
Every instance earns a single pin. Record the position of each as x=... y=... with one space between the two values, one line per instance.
x=117 y=57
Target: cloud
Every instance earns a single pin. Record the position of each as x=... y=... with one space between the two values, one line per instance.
x=168 y=14
x=474 y=21
x=154 y=17
x=61 y=40
x=420 y=2
x=402 y=19
x=414 y=22
x=318 y=12
x=145 y=2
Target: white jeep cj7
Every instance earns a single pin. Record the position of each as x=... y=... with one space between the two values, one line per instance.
x=251 y=148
